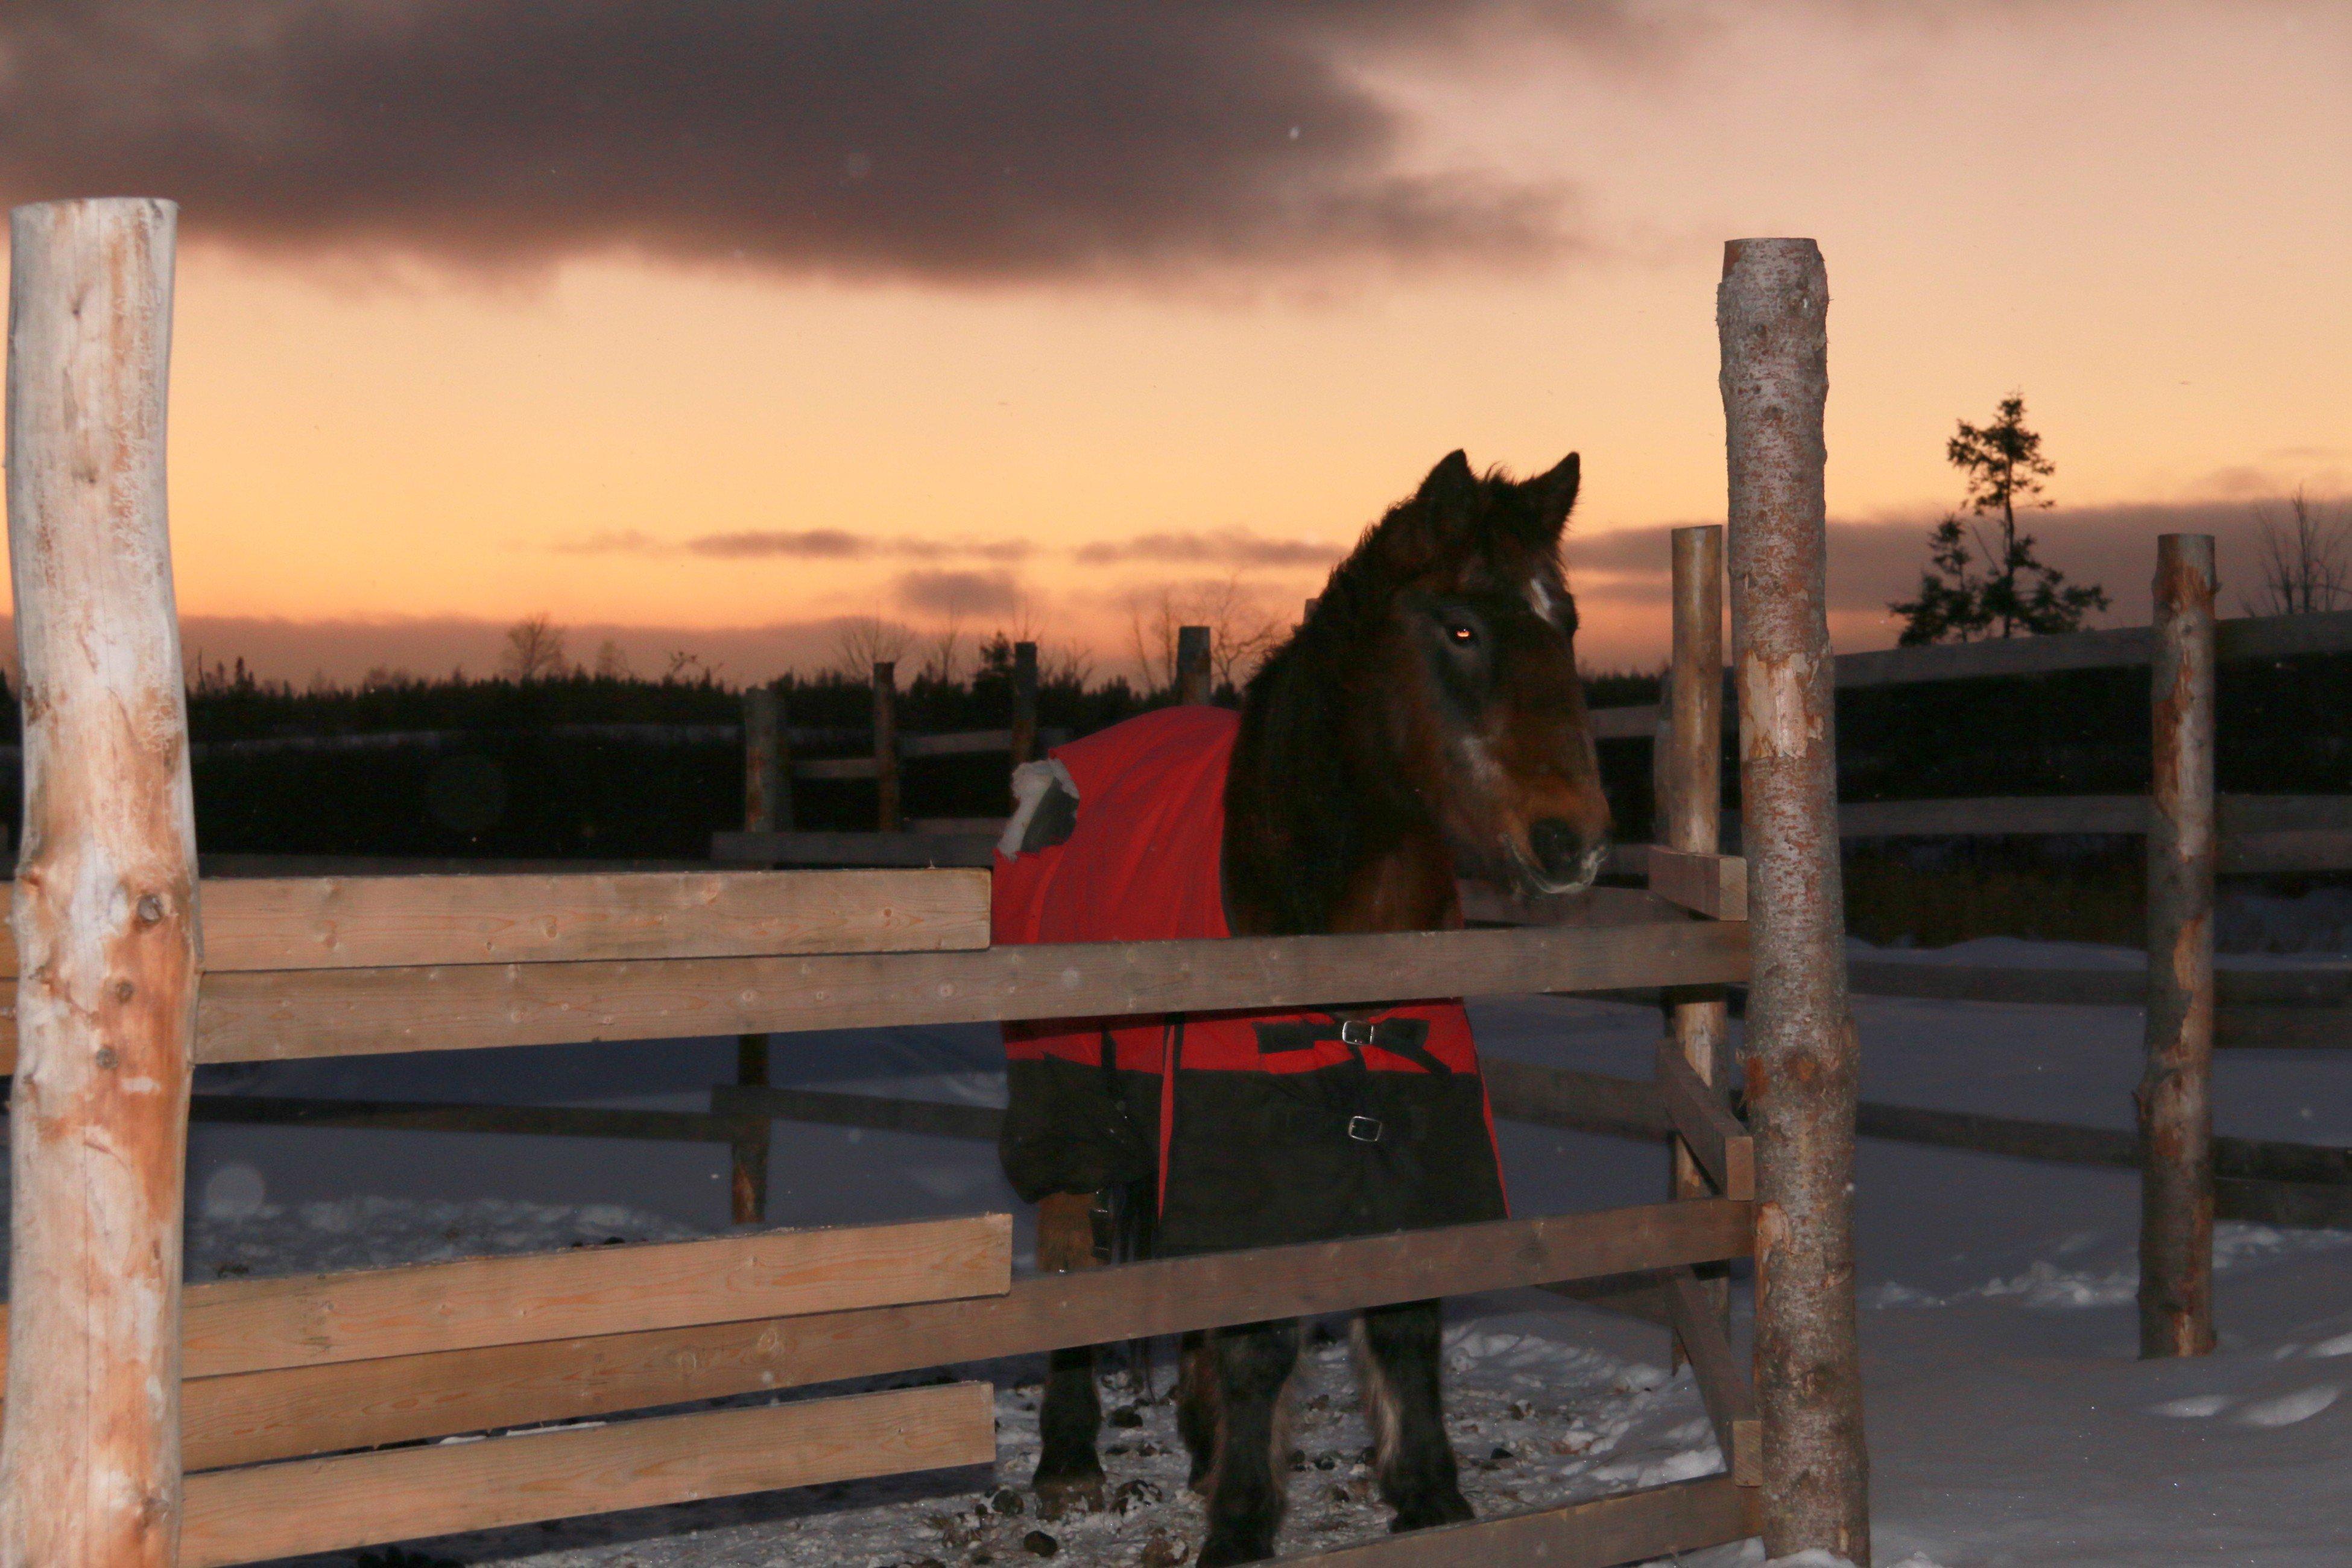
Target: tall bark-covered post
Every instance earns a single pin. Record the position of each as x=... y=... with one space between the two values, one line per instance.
x=105 y=911
x=1691 y=803
x=779 y=796
x=1802 y=1057
x=885 y=747
x=1025 y=703
x=1192 y=664
x=2175 y=1103
x=767 y=797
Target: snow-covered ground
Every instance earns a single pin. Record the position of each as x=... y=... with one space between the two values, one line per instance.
x=2010 y=1423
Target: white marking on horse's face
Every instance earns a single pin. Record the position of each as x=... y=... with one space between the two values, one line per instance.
x=1540 y=595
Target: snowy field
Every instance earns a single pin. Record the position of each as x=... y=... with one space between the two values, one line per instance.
x=2010 y=1423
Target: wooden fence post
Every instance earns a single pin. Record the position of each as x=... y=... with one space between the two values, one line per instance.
x=1801 y=1060
x=759 y=759
x=1690 y=810
x=885 y=747
x=105 y=911
x=2175 y=1098
x=1192 y=664
x=1025 y=703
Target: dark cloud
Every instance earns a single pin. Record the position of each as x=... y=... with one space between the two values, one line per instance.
x=796 y=543
x=951 y=140
x=959 y=592
x=1229 y=547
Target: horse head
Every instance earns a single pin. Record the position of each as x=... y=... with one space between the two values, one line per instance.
x=1456 y=600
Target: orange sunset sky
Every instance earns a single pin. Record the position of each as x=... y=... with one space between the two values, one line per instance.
x=706 y=327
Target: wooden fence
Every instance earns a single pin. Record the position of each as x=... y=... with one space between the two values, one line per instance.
x=251 y=1420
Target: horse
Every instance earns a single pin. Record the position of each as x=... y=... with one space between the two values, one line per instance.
x=1425 y=722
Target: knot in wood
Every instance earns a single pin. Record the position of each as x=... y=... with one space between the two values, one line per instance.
x=106 y=1057
x=124 y=990
x=150 y=909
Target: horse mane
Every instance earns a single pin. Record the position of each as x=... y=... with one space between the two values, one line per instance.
x=1311 y=792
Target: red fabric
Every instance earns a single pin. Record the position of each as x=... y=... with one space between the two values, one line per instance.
x=1144 y=864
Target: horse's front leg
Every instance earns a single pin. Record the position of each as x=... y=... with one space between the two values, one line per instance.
x=1397 y=1350
x=1246 y=1483
x=1069 y=1417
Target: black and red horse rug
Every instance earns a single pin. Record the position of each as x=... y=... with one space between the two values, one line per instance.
x=1243 y=1128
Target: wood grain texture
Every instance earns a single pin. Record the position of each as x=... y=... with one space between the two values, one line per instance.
x=1723 y=1384
x=1575 y=1100
x=365 y=922
x=359 y=1012
x=1712 y=885
x=1714 y=1137
x=252 y=1416
x=235 y=1326
x=360 y=1500
x=90 y=1468
x=1628 y=1527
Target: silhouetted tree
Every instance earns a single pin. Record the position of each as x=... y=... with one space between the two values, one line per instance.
x=2304 y=569
x=2004 y=467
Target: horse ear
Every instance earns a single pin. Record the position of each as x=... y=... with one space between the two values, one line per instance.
x=1449 y=496
x=1555 y=495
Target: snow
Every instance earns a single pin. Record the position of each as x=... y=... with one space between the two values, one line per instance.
x=2009 y=1421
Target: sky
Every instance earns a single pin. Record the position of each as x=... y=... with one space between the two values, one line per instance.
x=716 y=329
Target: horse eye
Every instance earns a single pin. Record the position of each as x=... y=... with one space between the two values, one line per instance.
x=1462 y=633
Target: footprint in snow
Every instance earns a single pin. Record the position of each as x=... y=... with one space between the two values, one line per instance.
x=2288 y=1408
x=2196 y=1407
x=2340 y=1345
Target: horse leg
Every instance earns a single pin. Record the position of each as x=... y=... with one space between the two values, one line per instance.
x=1196 y=1405
x=1246 y=1490
x=1069 y=1417
x=1396 y=1354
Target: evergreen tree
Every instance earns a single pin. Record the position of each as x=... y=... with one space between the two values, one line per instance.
x=2004 y=467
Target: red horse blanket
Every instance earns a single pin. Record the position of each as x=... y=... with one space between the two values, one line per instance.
x=1258 y=1128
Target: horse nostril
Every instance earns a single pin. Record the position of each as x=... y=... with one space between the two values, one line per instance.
x=1560 y=847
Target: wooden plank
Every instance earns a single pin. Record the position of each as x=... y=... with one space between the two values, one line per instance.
x=1713 y=1136
x=1628 y=1527
x=358 y=1012
x=360 y=1500
x=2297 y=1204
x=886 y=1113
x=939 y=849
x=2052 y=1140
x=1574 y=1100
x=250 y=1325
x=1722 y=1383
x=1715 y=886
x=254 y=1417
x=233 y=1326
x=364 y=922
x=1487 y=903
x=1641 y=1296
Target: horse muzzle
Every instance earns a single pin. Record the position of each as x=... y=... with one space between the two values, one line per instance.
x=1561 y=857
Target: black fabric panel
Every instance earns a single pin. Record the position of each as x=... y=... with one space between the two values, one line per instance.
x=1065 y=1131
x=1266 y=1159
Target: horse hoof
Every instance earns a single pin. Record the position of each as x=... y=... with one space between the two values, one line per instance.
x=1447 y=1508
x=1061 y=1495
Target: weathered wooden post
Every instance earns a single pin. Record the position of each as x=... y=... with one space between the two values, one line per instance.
x=105 y=911
x=1192 y=664
x=2175 y=1098
x=760 y=758
x=1025 y=703
x=1690 y=809
x=1802 y=1056
x=779 y=796
x=885 y=747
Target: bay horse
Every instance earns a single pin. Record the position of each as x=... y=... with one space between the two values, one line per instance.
x=1425 y=722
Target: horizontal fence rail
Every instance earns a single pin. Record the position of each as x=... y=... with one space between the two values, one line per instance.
x=376 y=922
x=278 y=1016
x=248 y=1417
x=2249 y=637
